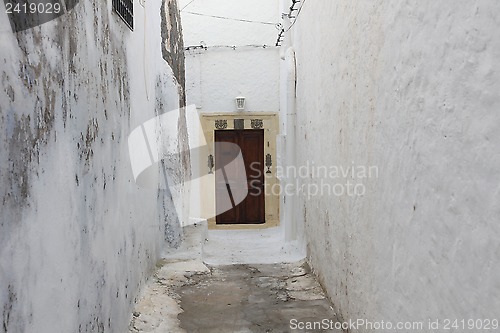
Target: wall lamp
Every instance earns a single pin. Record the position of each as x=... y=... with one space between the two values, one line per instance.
x=240 y=103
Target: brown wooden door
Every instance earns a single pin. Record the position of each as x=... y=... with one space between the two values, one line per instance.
x=252 y=209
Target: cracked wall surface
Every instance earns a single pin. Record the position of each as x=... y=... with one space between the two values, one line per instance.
x=411 y=87
x=78 y=237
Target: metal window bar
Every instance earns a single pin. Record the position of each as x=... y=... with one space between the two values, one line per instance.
x=125 y=9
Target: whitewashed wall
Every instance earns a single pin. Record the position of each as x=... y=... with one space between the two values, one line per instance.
x=77 y=236
x=214 y=77
x=412 y=87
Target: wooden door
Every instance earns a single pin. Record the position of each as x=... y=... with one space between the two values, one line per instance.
x=252 y=209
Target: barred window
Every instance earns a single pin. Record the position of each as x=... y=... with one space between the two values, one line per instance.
x=125 y=9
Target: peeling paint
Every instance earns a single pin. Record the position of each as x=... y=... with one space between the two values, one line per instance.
x=77 y=236
x=173 y=43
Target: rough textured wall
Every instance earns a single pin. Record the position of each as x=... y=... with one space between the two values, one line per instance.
x=77 y=235
x=215 y=76
x=411 y=87
x=173 y=46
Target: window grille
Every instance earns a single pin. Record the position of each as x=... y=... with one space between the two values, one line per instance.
x=125 y=9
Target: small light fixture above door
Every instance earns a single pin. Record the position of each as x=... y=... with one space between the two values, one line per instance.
x=240 y=103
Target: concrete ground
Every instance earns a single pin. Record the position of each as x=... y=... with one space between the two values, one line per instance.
x=188 y=295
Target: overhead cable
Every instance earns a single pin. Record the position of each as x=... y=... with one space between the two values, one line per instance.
x=202 y=46
x=290 y=16
x=230 y=18
x=190 y=2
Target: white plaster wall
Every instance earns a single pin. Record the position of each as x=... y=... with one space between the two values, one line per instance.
x=214 y=77
x=413 y=88
x=77 y=235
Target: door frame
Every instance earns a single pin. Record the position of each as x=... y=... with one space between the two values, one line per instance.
x=269 y=122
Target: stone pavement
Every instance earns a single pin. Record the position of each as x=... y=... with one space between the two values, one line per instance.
x=187 y=295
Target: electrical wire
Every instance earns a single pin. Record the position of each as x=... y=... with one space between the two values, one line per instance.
x=202 y=46
x=230 y=18
x=279 y=25
x=297 y=16
x=190 y=2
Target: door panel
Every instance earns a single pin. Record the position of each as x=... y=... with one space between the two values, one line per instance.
x=225 y=172
x=251 y=143
x=252 y=146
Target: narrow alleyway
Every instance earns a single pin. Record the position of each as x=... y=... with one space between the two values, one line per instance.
x=341 y=160
x=187 y=295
